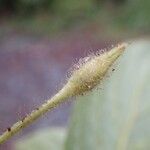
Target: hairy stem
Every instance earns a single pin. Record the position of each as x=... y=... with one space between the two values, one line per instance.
x=47 y=106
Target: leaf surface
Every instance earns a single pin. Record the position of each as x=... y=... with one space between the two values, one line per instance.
x=116 y=117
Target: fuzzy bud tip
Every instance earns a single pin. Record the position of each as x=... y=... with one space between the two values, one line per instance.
x=92 y=72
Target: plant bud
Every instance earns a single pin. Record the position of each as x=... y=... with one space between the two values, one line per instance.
x=90 y=73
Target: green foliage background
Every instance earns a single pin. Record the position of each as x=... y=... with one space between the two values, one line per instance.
x=130 y=15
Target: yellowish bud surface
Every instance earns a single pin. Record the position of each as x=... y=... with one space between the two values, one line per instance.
x=90 y=73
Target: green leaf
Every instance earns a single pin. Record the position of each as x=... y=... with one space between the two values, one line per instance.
x=116 y=117
x=46 y=139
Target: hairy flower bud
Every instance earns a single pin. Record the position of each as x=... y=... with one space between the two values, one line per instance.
x=90 y=73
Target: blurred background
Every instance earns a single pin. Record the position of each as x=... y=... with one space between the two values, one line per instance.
x=41 y=39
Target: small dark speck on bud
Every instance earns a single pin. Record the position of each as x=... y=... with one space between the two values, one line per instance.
x=8 y=129
x=113 y=69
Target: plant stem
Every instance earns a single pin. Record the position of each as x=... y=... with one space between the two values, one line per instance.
x=35 y=114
